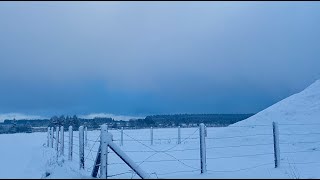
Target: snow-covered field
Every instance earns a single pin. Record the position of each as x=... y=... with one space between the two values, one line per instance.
x=242 y=150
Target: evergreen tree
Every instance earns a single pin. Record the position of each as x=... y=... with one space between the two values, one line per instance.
x=75 y=122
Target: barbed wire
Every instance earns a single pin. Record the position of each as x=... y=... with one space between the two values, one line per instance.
x=253 y=167
x=91 y=149
x=250 y=126
x=289 y=134
x=94 y=141
x=305 y=124
x=191 y=149
x=155 y=139
x=75 y=153
x=298 y=142
x=165 y=151
x=175 y=159
x=244 y=145
x=228 y=137
x=177 y=172
x=113 y=175
x=318 y=162
x=156 y=161
x=141 y=151
x=289 y=152
x=246 y=155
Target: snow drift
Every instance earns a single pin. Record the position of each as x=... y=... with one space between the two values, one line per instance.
x=300 y=108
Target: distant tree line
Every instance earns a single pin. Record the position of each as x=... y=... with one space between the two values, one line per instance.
x=183 y=120
x=195 y=119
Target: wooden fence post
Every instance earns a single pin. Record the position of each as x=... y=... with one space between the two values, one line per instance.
x=202 y=149
x=70 y=143
x=62 y=140
x=179 y=135
x=48 y=137
x=276 y=146
x=102 y=156
x=121 y=136
x=57 y=140
x=122 y=155
x=86 y=136
x=81 y=147
x=104 y=151
x=151 y=136
x=51 y=137
x=205 y=131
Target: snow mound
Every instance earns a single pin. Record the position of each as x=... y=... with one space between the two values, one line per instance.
x=300 y=108
x=298 y=117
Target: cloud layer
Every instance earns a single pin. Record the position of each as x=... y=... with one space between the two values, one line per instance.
x=164 y=57
x=113 y=116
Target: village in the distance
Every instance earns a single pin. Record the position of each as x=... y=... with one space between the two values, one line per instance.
x=156 y=121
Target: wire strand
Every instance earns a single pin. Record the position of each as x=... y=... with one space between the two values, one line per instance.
x=247 y=155
x=253 y=135
x=240 y=169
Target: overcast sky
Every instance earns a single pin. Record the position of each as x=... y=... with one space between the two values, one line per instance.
x=138 y=58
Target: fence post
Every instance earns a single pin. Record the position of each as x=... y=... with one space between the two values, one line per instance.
x=138 y=170
x=179 y=135
x=86 y=136
x=57 y=140
x=151 y=135
x=276 y=146
x=202 y=149
x=121 y=136
x=205 y=131
x=81 y=147
x=70 y=143
x=51 y=137
x=48 y=137
x=62 y=140
x=104 y=151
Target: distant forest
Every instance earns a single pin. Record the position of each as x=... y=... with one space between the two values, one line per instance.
x=157 y=121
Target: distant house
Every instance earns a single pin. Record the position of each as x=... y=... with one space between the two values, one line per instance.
x=39 y=129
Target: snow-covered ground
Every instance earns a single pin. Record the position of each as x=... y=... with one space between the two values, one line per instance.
x=242 y=150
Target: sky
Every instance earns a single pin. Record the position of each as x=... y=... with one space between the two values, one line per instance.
x=143 y=58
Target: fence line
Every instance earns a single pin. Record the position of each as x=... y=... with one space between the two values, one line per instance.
x=88 y=150
x=156 y=152
x=163 y=151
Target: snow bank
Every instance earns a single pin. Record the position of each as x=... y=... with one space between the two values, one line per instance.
x=300 y=108
x=298 y=117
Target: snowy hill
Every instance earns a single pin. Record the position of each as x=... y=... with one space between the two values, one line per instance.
x=298 y=117
x=300 y=108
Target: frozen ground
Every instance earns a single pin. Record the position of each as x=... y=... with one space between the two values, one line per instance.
x=242 y=150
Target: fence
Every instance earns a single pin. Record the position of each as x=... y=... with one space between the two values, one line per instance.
x=193 y=145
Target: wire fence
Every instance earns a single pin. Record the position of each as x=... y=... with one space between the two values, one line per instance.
x=173 y=153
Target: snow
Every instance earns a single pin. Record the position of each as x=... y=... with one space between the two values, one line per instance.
x=242 y=150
